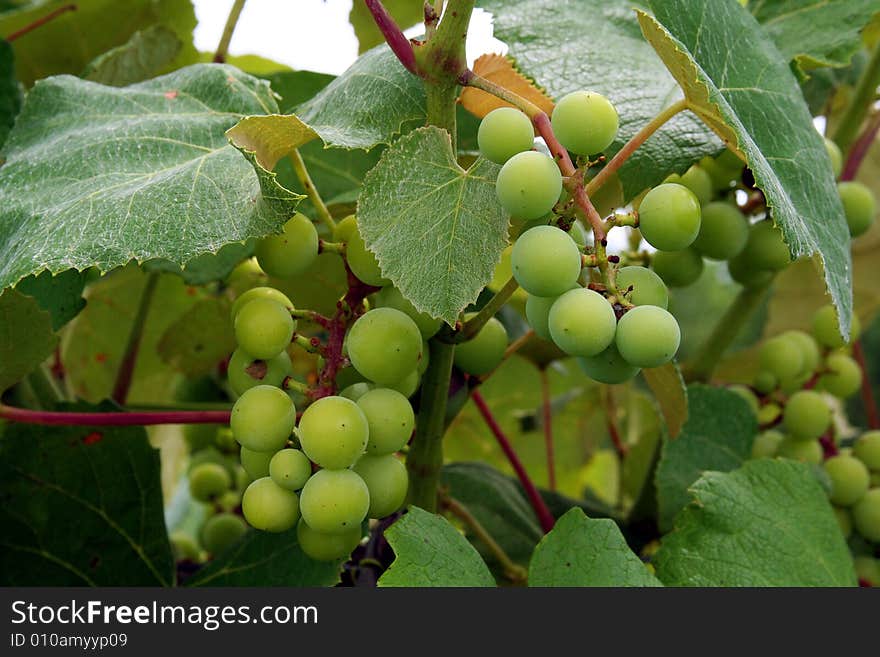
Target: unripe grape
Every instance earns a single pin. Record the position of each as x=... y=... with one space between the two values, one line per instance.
x=766 y=444
x=743 y=272
x=678 y=268
x=333 y=432
x=485 y=351
x=292 y=252
x=765 y=248
x=827 y=331
x=222 y=530
x=849 y=479
x=867 y=569
x=363 y=262
x=806 y=451
x=326 y=547
x=390 y=418
x=806 y=415
x=730 y=162
x=648 y=336
x=408 y=385
x=290 y=469
x=699 y=182
x=723 y=231
x=584 y=122
x=844 y=521
x=502 y=273
x=345 y=228
x=356 y=390
x=335 y=501
x=263 y=418
x=264 y=328
x=809 y=349
x=528 y=185
x=669 y=217
x=538 y=314
x=608 y=366
x=769 y=413
x=747 y=395
x=260 y=293
x=722 y=176
x=866 y=515
x=582 y=322
x=648 y=288
x=835 y=156
x=387 y=481
x=782 y=356
x=384 y=345
x=859 y=206
x=391 y=297
x=545 y=261
x=765 y=382
x=184 y=546
x=244 y=371
x=867 y=450
x=269 y=507
x=255 y=464
x=503 y=133
x=843 y=378
x=208 y=480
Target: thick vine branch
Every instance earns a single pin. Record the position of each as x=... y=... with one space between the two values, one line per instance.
x=394 y=36
x=129 y=357
x=114 y=419
x=860 y=148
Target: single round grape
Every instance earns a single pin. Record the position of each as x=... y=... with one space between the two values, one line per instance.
x=648 y=336
x=483 y=352
x=263 y=418
x=844 y=521
x=585 y=122
x=743 y=272
x=290 y=469
x=222 y=530
x=390 y=418
x=766 y=444
x=648 y=289
x=208 y=480
x=244 y=371
x=608 y=366
x=827 y=331
x=384 y=345
x=867 y=569
x=810 y=353
x=678 y=268
x=335 y=501
x=387 y=481
x=722 y=176
x=528 y=185
x=345 y=228
x=723 y=231
x=210 y=455
x=859 y=206
x=391 y=297
x=264 y=328
x=835 y=156
x=255 y=464
x=363 y=262
x=356 y=390
x=806 y=415
x=231 y=499
x=545 y=261
x=503 y=133
x=747 y=395
x=326 y=547
x=292 y=252
x=408 y=385
x=843 y=378
x=538 y=314
x=260 y=293
x=867 y=450
x=333 y=432
x=866 y=515
x=849 y=479
x=184 y=546
x=806 y=451
x=582 y=322
x=669 y=217
x=765 y=247
x=782 y=357
x=765 y=382
x=769 y=413
x=698 y=180
x=269 y=507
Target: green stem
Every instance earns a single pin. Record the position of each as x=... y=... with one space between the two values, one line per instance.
x=487 y=312
x=860 y=103
x=302 y=173
x=229 y=28
x=441 y=108
x=471 y=79
x=44 y=387
x=332 y=247
x=129 y=356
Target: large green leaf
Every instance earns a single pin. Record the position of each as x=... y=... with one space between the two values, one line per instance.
x=200 y=338
x=430 y=552
x=10 y=93
x=81 y=506
x=143 y=56
x=566 y=45
x=580 y=551
x=99 y=175
x=767 y=524
x=436 y=229
x=755 y=103
x=26 y=337
x=60 y=296
x=718 y=435
x=405 y=12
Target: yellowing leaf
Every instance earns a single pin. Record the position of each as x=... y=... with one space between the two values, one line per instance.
x=500 y=70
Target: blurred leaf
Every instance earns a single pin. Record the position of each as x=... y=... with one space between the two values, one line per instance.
x=669 y=391
x=406 y=13
x=143 y=56
x=296 y=87
x=199 y=339
x=10 y=92
x=26 y=337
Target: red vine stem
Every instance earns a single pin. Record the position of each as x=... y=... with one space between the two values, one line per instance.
x=548 y=429
x=394 y=36
x=129 y=357
x=544 y=516
x=860 y=148
x=114 y=419
x=613 y=432
x=40 y=22
x=868 y=400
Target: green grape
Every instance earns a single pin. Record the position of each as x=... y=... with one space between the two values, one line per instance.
x=390 y=418
x=742 y=271
x=579 y=234
x=608 y=366
x=483 y=352
x=222 y=530
x=843 y=377
x=765 y=248
x=292 y=252
x=669 y=217
x=747 y=395
x=384 y=345
x=390 y=297
x=867 y=450
x=806 y=451
x=809 y=349
x=849 y=479
x=722 y=176
x=184 y=546
x=648 y=289
x=208 y=480
x=827 y=331
x=766 y=444
x=528 y=185
x=584 y=122
x=699 y=182
x=538 y=314
x=387 y=481
x=678 y=268
x=335 y=501
x=806 y=415
x=348 y=376
x=867 y=569
x=769 y=413
x=260 y=293
x=333 y=432
x=503 y=272
x=545 y=261
x=844 y=521
x=835 y=156
x=290 y=469
x=723 y=231
x=866 y=515
x=782 y=356
x=263 y=419
x=244 y=371
x=269 y=507
x=503 y=133
x=246 y=275
x=264 y=328
x=730 y=162
x=326 y=547
x=859 y=206
x=582 y=322
x=765 y=382
x=408 y=384
x=356 y=390
x=255 y=464
x=345 y=228
x=648 y=336
x=229 y=501
x=363 y=262
x=209 y=455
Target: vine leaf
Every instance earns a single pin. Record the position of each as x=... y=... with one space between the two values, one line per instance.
x=10 y=93
x=767 y=524
x=404 y=12
x=436 y=229
x=500 y=70
x=60 y=296
x=144 y=55
x=26 y=337
x=668 y=387
x=199 y=339
x=431 y=552
x=270 y=138
x=755 y=104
